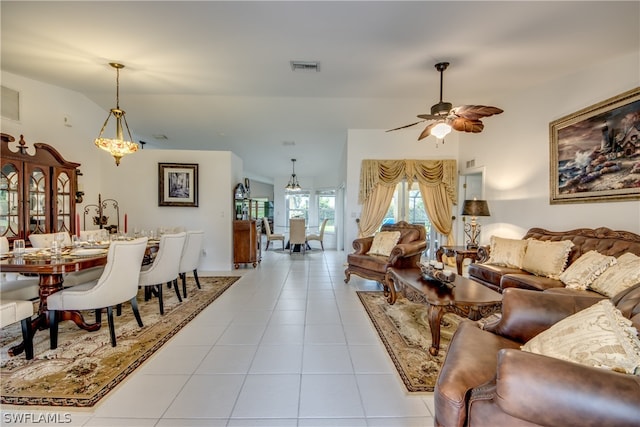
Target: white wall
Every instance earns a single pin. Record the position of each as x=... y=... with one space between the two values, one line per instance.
x=134 y=184
x=514 y=151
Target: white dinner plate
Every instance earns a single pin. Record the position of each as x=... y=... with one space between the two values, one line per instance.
x=88 y=252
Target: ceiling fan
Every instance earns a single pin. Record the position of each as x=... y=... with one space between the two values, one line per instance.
x=465 y=118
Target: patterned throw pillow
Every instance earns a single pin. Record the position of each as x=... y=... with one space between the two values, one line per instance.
x=384 y=242
x=598 y=336
x=620 y=276
x=507 y=252
x=585 y=269
x=546 y=258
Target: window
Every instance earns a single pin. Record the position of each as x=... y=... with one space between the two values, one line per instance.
x=327 y=209
x=407 y=205
x=297 y=205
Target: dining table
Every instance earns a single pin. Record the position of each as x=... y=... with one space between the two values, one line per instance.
x=50 y=271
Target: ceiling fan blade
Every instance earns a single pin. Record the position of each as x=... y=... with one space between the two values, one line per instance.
x=405 y=126
x=463 y=124
x=430 y=116
x=427 y=131
x=474 y=112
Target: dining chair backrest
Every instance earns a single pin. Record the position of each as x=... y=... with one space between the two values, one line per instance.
x=190 y=257
x=44 y=240
x=297 y=231
x=267 y=229
x=119 y=280
x=166 y=262
x=322 y=227
x=97 y=235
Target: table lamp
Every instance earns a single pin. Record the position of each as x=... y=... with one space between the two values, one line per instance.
x=474 y=208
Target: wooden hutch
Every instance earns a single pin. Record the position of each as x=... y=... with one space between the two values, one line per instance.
x=247 y=230
x=38 y=190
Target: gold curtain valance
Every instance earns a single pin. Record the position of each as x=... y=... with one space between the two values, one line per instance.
x=391 y=172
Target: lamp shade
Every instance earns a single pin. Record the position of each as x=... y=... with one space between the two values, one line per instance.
x=475 y=208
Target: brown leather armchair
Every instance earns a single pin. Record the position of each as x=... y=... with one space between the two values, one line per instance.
x=486 y=380
x=404 y=255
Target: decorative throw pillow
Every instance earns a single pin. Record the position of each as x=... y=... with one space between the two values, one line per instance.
x=507 y=252
x=620 y=276
x=585 y=269
x=546 y=258
x=597 y=336
x=384 y=242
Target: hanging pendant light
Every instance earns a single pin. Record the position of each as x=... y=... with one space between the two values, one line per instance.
x=117 y=146
x=293 y=184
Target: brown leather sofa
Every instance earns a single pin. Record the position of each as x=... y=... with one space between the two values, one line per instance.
x=603 y=240
x=486 y=380
x=406 y=254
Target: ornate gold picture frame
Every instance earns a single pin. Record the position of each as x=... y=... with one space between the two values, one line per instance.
x=595 y=152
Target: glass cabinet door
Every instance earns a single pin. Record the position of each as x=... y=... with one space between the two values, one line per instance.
x=63 y=216
x=10 y=201
x=37 y=201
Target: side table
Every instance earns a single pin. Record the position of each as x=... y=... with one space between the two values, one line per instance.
x=460 y=252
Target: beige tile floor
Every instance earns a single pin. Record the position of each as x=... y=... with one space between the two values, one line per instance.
x=289 y=344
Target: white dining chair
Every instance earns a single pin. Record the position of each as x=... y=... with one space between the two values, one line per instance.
x=271 y=236
x=41 y=241
x=98 y=235
x=164 y=268
x=297 y=234
x=320 y=236
x=117 y=284
x=12 y=311
x=15 y=286
x=190 y=258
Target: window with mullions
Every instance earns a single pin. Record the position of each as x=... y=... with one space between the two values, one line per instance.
x=297 y=205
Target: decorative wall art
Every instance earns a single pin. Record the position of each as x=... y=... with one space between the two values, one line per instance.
x=595 y=152
x=178 y=184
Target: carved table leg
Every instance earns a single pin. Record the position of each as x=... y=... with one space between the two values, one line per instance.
x=435 y=316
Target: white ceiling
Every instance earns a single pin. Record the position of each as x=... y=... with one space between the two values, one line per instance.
x=216 y=75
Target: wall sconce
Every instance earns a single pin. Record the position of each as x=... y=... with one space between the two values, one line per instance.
x=474 y=208
x=79 y=192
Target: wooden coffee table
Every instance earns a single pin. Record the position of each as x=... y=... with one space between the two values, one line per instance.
x=467 y=298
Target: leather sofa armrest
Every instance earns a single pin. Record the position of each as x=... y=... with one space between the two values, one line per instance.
x=404 y=250
x=362 y=245
x=483 y=254
x=564 y=393
x=526 y=313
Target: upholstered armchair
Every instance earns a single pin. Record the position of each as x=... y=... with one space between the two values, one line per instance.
x=406 y=254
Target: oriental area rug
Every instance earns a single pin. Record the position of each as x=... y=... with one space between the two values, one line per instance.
x=84 y=367
x=404 y=329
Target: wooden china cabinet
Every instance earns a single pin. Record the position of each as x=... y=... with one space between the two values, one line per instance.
x=37 y=190
x=247 y=233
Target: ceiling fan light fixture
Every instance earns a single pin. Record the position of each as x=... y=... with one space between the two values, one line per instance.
x=441 y=130
x=117 y=146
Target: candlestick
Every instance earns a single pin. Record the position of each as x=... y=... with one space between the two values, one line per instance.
x=125 y=223
x=78 y=225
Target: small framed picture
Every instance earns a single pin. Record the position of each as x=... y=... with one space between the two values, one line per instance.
x=178 y=184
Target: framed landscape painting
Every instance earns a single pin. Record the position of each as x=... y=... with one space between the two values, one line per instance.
x=595 y=152
x=178 y=184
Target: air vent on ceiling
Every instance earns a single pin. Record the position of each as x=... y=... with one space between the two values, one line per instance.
x=305 y=66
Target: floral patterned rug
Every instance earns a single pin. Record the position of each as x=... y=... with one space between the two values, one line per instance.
x=84 y=367
x=404 y=329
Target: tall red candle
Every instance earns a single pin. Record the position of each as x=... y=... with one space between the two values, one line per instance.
x=78 y=225
x=125 y=223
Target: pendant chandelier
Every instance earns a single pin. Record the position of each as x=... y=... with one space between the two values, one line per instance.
x=117 y=146
x=293 y=184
